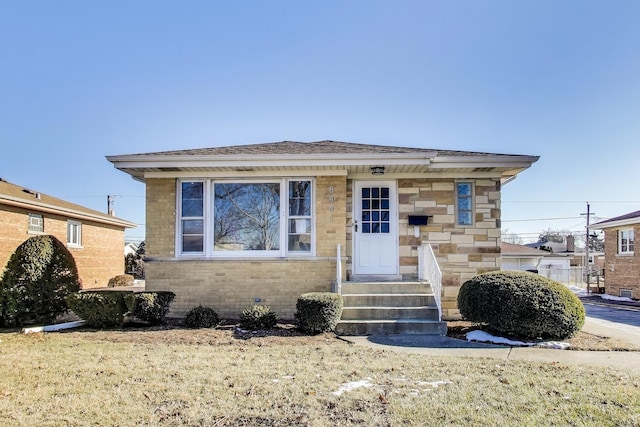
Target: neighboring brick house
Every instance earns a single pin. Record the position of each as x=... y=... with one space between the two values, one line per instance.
x=229 y=226
x=94 y=239
x=621 y=264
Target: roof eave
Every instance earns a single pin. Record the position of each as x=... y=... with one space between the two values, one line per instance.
x=44 y=207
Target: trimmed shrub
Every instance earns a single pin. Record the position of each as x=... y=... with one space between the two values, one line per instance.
x=120 y=280
x=258 y=317
x=201 y=317
x=38 y=277
x=100 y=309
x=523 y=304
x=318 y=311
x=151 y=307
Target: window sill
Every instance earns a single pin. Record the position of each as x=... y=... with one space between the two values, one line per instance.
x=72 y=246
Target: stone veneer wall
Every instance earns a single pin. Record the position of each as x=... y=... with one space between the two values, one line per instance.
x=230 y=285
x=462 y=251
x=621 y=271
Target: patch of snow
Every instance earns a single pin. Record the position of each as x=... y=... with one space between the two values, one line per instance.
x=482 y=336
x=615 y=298
x=580 y=292
x=555 y=345
x=352 y=386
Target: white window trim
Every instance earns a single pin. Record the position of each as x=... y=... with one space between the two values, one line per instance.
x=70 y=243
x=39 y=216
x=472 y=199
x=626 y=252
x=209 y=207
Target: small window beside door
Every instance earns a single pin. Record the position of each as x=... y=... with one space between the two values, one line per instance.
x=464 y=203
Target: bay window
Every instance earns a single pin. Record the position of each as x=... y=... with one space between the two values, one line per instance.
x=245 y=218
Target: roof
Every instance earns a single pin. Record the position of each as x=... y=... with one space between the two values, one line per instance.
x=510 y=249
x=619 y=221
x=16 y=195
x=328 y=157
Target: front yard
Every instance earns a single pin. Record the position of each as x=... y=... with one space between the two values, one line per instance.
x=162 y=376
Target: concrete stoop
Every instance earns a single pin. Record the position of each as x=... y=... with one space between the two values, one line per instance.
x=385 y=308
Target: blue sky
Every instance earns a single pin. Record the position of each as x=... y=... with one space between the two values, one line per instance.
x=560 y=79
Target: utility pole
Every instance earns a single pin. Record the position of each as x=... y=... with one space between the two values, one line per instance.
x=586 y=246
x=110 y=202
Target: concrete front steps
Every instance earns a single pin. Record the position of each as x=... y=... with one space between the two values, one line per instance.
x=383 y=308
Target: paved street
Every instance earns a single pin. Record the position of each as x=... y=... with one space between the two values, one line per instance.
x=619 y=322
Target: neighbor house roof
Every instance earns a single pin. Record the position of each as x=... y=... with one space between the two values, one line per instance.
x=329 y=157
x=509 y=249
x=19 y=196
x=619 y=221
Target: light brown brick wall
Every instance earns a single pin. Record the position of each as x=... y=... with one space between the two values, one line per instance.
x=621 y=271
x=100 y=257
x=160 y=217
x=230 y=285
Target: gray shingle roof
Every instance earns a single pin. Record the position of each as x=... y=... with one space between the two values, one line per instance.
x=304 y=148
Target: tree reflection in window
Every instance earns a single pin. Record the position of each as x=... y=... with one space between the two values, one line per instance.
x=246 y=216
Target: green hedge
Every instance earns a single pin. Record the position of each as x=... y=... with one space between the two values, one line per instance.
x=105 y=309
x=201 y=317
x=258 y=317
x=100 y=309
x=37 y=278
x=523 y=304
x=318 y=311
x=151 y=307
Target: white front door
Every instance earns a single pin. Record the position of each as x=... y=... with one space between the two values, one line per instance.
x=375 y=228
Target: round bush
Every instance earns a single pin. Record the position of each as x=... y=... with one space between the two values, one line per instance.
x=150 y=306
x=318 y=311
x=39 y=275
x=523 y=304
x=201 y=317
x=258 y=317
x=100 y=309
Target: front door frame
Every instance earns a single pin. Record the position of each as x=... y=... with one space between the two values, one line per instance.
x=393 y=245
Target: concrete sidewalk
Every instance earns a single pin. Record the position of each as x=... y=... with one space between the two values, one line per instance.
x=451 y=347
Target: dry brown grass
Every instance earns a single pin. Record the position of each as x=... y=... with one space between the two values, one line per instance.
x=216 y=377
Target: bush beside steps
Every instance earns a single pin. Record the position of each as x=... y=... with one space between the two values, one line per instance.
x=521 y=304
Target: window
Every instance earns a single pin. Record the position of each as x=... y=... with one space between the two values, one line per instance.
x=299 y=218
x=36 y=223
x=192 y=214
x=464 y=203
x=625 y=241
x=74 y=233
x=242 y=218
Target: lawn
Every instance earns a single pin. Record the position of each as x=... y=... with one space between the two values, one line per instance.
x=210 y=377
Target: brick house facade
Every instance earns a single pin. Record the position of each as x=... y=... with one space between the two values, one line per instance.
x=94 y=239
x=621 y=264
x=357 y=193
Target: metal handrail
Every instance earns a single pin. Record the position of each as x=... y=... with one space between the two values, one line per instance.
x=428 y=269
x=338 y=270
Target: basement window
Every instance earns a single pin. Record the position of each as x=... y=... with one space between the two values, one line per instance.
x=626 y=293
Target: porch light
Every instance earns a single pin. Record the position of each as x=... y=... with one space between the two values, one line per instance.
x=377 y=170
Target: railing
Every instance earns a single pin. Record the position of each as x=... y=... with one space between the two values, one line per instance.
x=338 y=285
x=428 y=269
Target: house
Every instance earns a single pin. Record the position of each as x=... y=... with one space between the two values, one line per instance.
x=577 y=255
x=94 y=239
x=621 y=265
x=548 y=264
x=231 y=226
